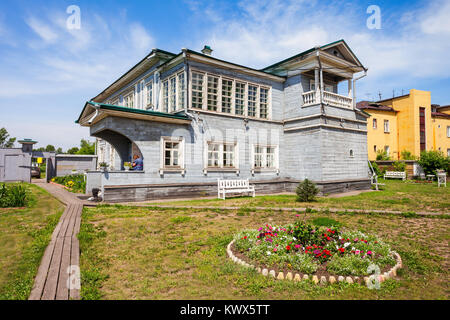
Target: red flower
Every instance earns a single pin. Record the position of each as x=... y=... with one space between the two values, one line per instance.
x=288 y=248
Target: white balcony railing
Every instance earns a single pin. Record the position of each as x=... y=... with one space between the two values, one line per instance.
x=333 y=99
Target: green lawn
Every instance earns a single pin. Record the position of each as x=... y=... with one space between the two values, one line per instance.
x=180 y=253
x=24 y=235
x=397 y=195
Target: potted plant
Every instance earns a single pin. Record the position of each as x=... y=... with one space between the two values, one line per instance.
x=127 y=166
x=103 y=166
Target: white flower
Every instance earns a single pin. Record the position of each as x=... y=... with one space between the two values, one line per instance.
x=268 y=253
x=346 y=244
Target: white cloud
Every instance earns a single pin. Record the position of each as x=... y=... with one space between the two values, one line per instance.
x=437 y=18
x=42 y=29
x=139 y=37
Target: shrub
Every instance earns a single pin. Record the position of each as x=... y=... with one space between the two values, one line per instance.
x=376 y=168
x=399 y=166
x=383 y=156
x=407 y=155
x=306 y=191
x=13 y=196
x=74 y=182
x=430 y=161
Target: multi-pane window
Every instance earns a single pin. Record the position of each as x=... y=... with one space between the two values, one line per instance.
x=173 y=94
x=263 y=103
x=181 y=90
x=221 y=155
x=165 y=96
x=252 y=100
x=264 y=157
x=387 y=149
x=227 y=95
x=197 y=90
x=128 y=100
x=386 y=126
x=171 y=154
x=374 y=123
x=240 y=98
x=213 y=84
x=150 y=95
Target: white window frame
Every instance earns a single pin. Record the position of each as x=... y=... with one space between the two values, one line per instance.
x=129 y=94
x=387 y=149
x=181 y=91
x=448 y=131
x=386 y=127
x=327 y=87
x=204 y=92
x=149 y=95
x=221 y=166
x=374 y=123
x=165 y=101
x=264 y=167
x=181 y=151
x=213 y=95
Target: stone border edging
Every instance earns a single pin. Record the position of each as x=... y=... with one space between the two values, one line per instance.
x=323 y=280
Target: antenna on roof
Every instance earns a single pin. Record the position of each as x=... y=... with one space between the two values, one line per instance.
x=379 y=94
x=393 y=93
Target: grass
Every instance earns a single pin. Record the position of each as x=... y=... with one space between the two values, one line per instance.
x=178 y=253
x=397 y=196
x=24 y=235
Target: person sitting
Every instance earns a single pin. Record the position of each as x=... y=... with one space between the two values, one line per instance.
x=138 y=164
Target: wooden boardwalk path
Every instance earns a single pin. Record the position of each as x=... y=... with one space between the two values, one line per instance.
x=61 y=259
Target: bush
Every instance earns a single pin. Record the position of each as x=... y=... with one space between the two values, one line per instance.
x=430 y=161
x=399 y=166
x=13 y=196
x=383 y=156
x=306 y=191
x=74 y=182
x=407 y=155
x=376 y=168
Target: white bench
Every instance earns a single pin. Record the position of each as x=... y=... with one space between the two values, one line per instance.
x=233 y=186
x=395 y=175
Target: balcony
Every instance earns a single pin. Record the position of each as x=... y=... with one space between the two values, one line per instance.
x=333 y=99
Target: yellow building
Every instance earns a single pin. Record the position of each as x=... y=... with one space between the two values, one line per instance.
x=407 y=123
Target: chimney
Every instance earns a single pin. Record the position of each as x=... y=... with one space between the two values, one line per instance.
x=27 y=145
x=207 y=50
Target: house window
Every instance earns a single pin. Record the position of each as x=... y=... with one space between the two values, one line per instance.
x=387 y=150
x=150 y=96
x=264 y=157
x=252 y=96
x=227 y=95
x=448 y=152
x=197 y=90
x=213 y=84
x=240 y=98
x=173 y=94
x=181 y=90
x=375 y=148
x=165 y=96
x=312 y=86
x=263 y=103
x=374 y=122
x=129 y=100
x=351 y=153
x=141 y=87
x=448 y=131
x=386 y=126
x=114 y=102
x=221 y=155
x=172 y=152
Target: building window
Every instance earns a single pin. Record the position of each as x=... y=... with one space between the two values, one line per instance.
x=375 y=148
x=173 y=94
x=386 y=126
x=374 y=123
x=165 y=104
x=351 y=153
x=172 y=152
x=240 y=98
x=129 y=100
x=197 y=90
x=387 y=150
x=181 y=90
x=264 y=157
x=252 y=100
x=448 y=152
x=227 y=95
x=263 y=103
x=221 y=155
x=448 y=131
x=327 y=87
x=213 y=85
x=150 y=96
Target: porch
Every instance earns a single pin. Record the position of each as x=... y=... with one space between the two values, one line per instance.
x=333 y=99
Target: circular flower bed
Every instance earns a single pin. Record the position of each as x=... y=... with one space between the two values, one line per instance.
x=319 y=252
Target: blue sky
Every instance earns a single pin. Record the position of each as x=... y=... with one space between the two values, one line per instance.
x=47 y=72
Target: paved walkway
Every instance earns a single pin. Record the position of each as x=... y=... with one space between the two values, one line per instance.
x=62 y=255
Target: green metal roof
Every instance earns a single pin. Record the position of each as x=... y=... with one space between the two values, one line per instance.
x=131 y=110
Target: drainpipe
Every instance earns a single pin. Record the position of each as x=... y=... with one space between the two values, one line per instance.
x=354 y=87
x=96 y=106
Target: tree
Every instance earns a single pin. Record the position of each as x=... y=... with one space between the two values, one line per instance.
x=5 y=141
x=382 y=155
x=407 y=155
x=86 y=147
x=59 y=151
x=50 y=148
x=430 y=161
x=306 y=191
x=73 y=150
